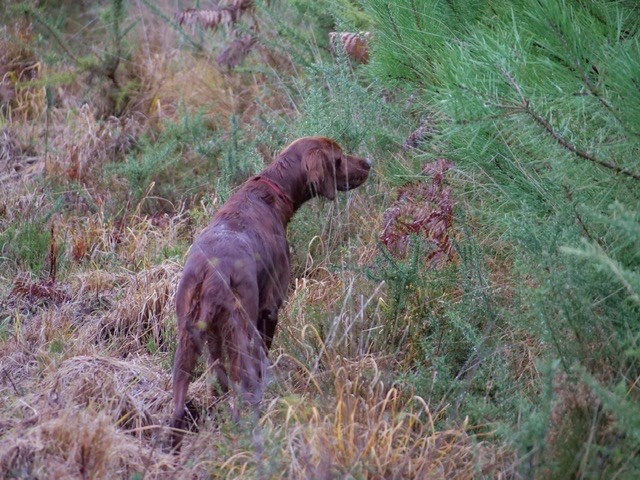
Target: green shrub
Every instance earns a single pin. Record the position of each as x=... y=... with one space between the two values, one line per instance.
x=26 y=245
x=171 y=168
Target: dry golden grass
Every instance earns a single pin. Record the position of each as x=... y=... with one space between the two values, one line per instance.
x=81 y=144
x=166 y=72
x=329 y=315
x=74 y=443
x=140 y=319
x=22 y=99
x=133 y=392
x=74 y=405
x=346 y=424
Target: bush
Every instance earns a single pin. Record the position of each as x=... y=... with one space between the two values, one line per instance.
x=172 y=167
x=26 y=245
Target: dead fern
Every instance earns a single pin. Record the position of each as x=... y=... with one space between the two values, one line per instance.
x=235 y=53
x=37 y=292
x=226 y=14
x=354 y=44
x=425 y=131
x=424 y=209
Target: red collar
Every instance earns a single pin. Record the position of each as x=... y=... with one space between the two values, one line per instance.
x=276 y=188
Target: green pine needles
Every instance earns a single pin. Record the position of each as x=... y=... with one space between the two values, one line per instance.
x=543 y=113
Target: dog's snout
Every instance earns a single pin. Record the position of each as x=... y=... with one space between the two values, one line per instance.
x=366 y=163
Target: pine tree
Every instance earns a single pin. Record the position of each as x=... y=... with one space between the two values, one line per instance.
x=541 y=106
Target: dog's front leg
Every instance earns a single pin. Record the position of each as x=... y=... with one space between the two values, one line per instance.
x=267 y=322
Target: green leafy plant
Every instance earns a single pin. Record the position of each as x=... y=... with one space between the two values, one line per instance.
x=106 y=62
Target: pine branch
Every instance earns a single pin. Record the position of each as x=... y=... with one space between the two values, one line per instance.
x=591 y=87
x=581 y=222
x=544 y=123
x=54 y=33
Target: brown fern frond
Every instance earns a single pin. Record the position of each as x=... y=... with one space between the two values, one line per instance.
x=425 y=131
x=235 y=53
x=426 y=210
x=354 y=44
x=227 y=14
x=10 y=151
x=210 y=19
x=42 y=291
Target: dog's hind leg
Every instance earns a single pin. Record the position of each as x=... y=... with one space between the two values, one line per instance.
x=216 y=367
x=245 y=346
x=187 y=354
x=193 y=327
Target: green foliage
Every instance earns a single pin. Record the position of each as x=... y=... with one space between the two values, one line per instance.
x=622 y=241
x=6 y=328
x=410 y=33
x=332 y=100
x=104 y=62
x=543 y=118
x=349 y=14
x=337 y=105
x=331 y=97
x=463 y=363
x=186 y=161
x=26 y=245
x=239 y=159
x=171 y=167
x=406 y=280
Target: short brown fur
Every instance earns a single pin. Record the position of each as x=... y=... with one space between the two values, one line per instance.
x=237 y=271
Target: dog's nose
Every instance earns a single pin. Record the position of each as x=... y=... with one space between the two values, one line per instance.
x=367 y=163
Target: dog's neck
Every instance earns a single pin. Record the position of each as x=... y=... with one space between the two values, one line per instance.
x=281 y=193
x=287 y=173
x=278 y=190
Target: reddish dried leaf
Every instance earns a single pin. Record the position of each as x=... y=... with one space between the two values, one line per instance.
x=31 y=291
x=355 y=44
x=227 y=14
x=424 y=209
x=79 y=249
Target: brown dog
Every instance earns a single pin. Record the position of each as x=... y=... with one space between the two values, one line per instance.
x=237 y=271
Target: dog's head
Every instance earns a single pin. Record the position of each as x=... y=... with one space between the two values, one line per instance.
x=328 y=169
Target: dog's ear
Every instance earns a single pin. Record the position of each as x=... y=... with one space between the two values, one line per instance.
x=320 y=175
